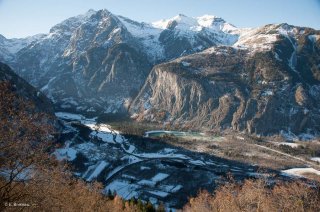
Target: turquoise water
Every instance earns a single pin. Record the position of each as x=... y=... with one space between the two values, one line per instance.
x=191 y=135
x=159 y=134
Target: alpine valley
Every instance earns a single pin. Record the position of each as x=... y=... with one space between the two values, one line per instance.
x=200 y=80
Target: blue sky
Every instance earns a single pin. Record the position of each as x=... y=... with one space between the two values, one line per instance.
x=20 y=18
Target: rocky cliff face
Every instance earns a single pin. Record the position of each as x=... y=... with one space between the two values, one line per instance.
x=266 y=83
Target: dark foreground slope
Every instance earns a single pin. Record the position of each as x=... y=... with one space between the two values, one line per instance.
x=25 y=90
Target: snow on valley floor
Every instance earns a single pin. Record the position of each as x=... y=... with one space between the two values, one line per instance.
x=93 y=171
x=293 y=145
x=301 y=172
x=66 y=153
x=316 y=159
x=142 y=167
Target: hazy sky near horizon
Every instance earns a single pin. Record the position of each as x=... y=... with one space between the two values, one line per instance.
x=21 y=18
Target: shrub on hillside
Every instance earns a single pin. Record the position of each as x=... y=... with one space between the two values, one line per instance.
x=257 y=195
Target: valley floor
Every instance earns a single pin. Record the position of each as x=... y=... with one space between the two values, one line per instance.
x=263 y=152
x=169 y=167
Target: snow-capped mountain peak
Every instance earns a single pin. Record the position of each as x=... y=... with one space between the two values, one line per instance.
x=180 y=21
x=88 y=14
x=9 y=47
x=101 y=27
x=207 y=20
x=183 y=22
x=215 y=23
x=164 y=23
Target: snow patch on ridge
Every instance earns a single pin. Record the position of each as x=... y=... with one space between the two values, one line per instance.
x=314 y=38
x=256 y=40
x=148 y=35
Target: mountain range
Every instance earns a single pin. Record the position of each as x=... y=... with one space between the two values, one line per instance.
x=194 y=73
